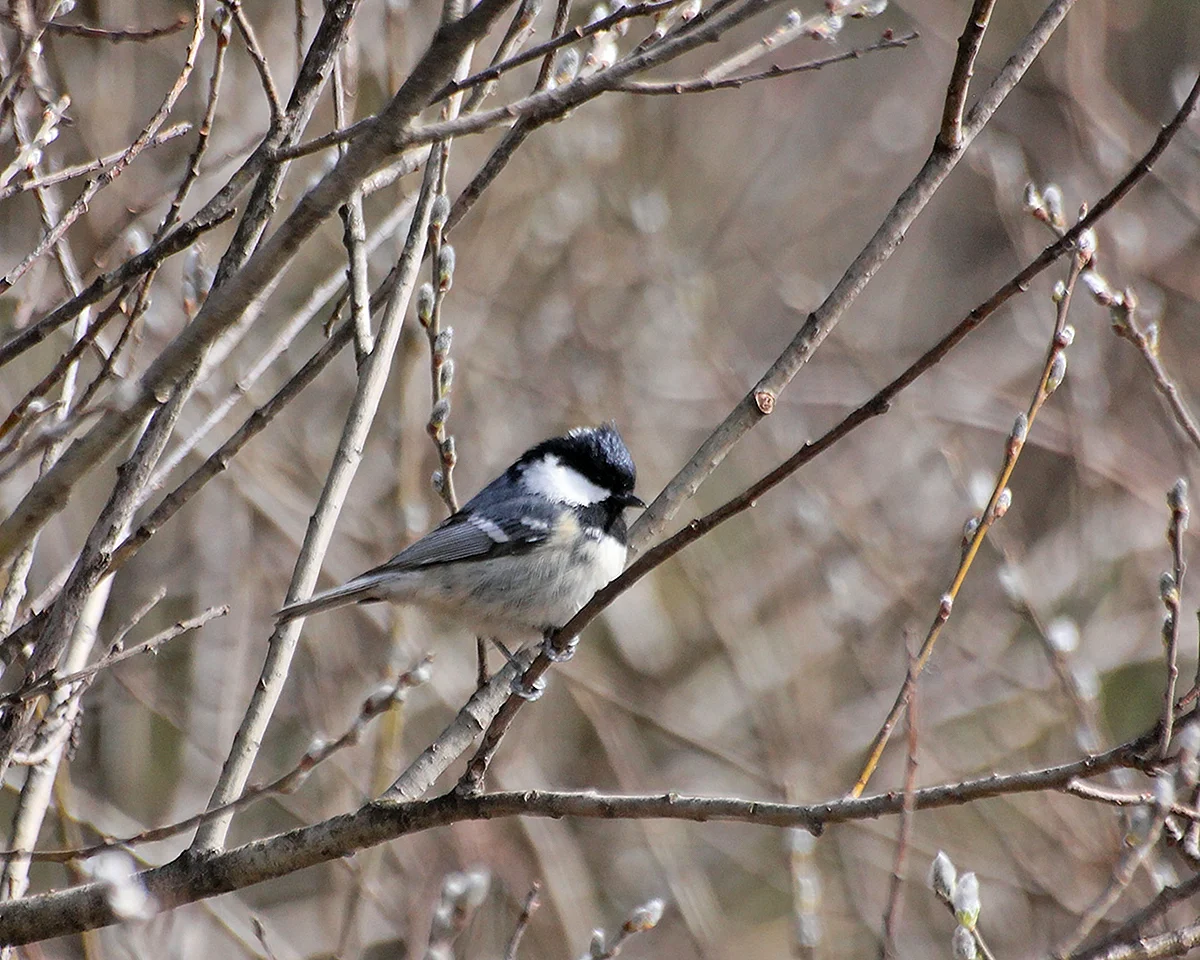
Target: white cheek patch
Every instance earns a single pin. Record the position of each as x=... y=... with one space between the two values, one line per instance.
x=555 y=481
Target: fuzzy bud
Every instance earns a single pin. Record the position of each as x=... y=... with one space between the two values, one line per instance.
x=1062 y=634
x=425 y=303
x=1033 y=198
x=1020 y=430
x=566 y=67
x=441 y=344
x=1053 y=199
x=1065 y=337
x=439 y=413
x=1167 y=590
x=1003 y=502
x=445 y=267
x=446 y=376
x=943 y=878
x=437 y=481
x=1058 y=370
x=966 y=900
x=1164 y=789
x=1177 y=498
x=449 y=455
x=645 y=917
x=439 y=212
x=962 y=944
x=1087 y=244
x=969 y=530
x=596 y=947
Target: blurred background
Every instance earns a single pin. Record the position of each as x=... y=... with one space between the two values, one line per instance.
x=644 y=260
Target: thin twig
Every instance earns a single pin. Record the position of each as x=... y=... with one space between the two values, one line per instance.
x=91 y=166
x=964 y=68
x=532 y=902
x=1122 y=875
x=891 y=914
x=1171 y=592
x=117 y=655
x=978 y=527
x=246 y=29
x=110 y=34
x=705 y=85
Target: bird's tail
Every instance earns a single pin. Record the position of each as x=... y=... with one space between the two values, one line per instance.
x=359 y=590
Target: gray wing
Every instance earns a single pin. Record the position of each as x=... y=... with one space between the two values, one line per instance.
x=468 y=535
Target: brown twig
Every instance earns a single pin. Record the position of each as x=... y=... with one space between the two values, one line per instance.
x=703 y=85
x=246 y=29
x=891 y=913
x=1123 y=871
x=532 y=902
x=82 y=169
x=1051 y=376
x=110 y=34
x=1171 y=591
x=964 y=67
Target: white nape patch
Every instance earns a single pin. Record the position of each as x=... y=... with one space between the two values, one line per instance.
x=555 y=481
x=491 y=528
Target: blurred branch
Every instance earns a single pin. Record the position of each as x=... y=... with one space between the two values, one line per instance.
x=1133 y=926
x=1170 y=590
x=1173 y=944
x=187 y=879
x=116 y=655
x=891 y=913
x=317 y=753
x=1130 y=330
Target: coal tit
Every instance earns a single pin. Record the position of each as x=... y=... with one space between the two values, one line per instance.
x=524 y=554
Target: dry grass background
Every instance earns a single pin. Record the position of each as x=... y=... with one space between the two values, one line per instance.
x=644 y=260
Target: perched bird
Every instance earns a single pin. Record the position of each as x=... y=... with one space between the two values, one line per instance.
x=524 y=554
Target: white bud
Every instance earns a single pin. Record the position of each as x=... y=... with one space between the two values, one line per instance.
x=962 y=943
x=1058 y=370
x=966 y=900
x=1062 y=634
x=943 y=878
x=645 y=917
x=1164 y=789
x=439 y=213
x=445 y=267
x=1053 y=198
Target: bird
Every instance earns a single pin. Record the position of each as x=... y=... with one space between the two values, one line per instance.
x=523 y=555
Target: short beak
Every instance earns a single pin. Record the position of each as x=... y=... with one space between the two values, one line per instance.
x=631 y=500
